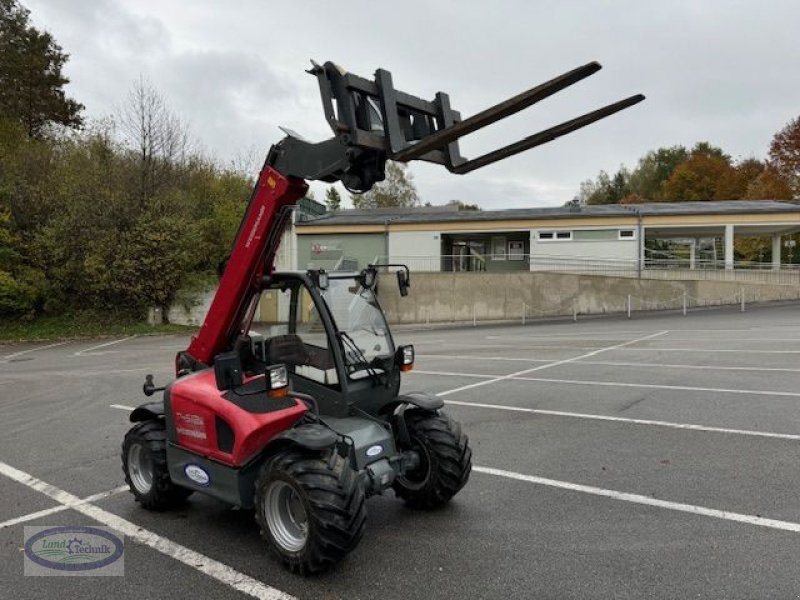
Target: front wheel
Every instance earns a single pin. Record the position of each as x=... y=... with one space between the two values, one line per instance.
x=445 y=461
x=144 y=462
x=311 y=510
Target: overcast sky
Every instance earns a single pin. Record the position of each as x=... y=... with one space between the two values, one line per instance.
x=715 y=70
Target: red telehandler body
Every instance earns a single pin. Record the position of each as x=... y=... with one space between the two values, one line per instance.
x=287 y=400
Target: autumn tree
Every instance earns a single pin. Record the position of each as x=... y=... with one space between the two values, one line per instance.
x=654 y=168
x=784 y=154
x=707 y=174
x=397 y=189
x=31 y=78
x=633 y=198
x=768 y=185
x=333 y=199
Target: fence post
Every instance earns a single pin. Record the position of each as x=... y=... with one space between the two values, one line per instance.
x=523 y=313
x=474 y=320
x=741 y=293
x=684 y=303
x=629 y=306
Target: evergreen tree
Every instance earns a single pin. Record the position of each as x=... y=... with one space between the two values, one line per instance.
x=333 y=199
x=31 y=78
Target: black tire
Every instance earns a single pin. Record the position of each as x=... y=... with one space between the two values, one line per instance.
x=146 y=445
x=328 y=498
x=445 y=461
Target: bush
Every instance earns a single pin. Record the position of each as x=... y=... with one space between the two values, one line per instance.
x=15 y=298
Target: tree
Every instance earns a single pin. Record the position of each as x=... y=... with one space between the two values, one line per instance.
x=607 y=190
x=702 y=176
x=784 y=154
x=463 y=205
x=333 y=199
x=160 y=139
x=397 y=189
x=708 y=149
x=768 y=185
x=31 y=78
x=654 y=168
x=633 y=199
x=15 y=296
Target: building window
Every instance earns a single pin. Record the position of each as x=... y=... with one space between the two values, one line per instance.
x=555 y=235
x=627 y=234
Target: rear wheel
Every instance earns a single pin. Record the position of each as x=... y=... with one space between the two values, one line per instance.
x=311 y=510
x=445 y=461
x=144 y=462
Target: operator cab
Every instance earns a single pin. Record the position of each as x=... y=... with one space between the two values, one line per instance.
x=330 y=332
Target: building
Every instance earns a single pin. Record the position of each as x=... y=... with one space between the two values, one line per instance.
x=688 y=234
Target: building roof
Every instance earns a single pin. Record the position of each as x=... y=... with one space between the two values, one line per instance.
x=381 y=216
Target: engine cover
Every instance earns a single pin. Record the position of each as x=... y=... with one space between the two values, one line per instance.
x=227 y=426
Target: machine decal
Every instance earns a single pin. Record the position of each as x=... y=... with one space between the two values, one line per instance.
x=197 y=474
x=190 y=425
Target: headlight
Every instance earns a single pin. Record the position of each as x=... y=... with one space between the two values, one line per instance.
x=278 y=381
x=406 y=356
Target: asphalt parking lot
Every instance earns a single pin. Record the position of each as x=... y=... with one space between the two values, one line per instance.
x=655 y=457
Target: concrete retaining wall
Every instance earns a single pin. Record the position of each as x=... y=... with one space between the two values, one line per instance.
x=462 y=297
x=454 y=297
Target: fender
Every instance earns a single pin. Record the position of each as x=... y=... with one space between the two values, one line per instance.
x=312 y=436
x=148 y=411
x=422 y=400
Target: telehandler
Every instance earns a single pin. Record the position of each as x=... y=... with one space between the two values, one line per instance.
x=287 y=400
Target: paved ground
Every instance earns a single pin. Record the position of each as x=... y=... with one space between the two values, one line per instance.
x=657 y=457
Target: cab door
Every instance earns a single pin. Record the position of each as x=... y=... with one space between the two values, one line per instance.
x=296 y=331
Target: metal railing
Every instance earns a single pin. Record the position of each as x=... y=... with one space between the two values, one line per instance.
x=678 y=269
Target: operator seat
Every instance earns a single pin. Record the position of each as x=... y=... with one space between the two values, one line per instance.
x=288 y=349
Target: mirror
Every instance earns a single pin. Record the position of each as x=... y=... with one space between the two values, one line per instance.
x=403 y=283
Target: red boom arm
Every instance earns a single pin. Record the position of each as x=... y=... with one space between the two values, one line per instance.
x=252 y=257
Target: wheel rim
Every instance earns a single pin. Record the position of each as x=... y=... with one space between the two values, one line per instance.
x=416 y=479
x=140 y=469
x=286 y=516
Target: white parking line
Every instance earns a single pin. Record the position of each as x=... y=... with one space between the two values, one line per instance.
x=541 y=347
x=461 y=357
x=92 y=350
x=614 y=363
x=552 y=364
x=452 y=374
x=646 y=500
x=9 y=357
x=711 y=350
x=516 y=377
x=214 y=569
x=61 y=507
x=122 y=407
x=675 y=366
x=652 y=386
x=594 y=417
